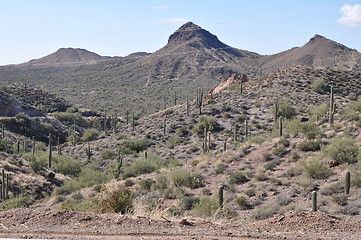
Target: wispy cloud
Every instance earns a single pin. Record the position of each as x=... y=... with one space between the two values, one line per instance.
x=351 y=15
x=160 y=7
x=174 y=20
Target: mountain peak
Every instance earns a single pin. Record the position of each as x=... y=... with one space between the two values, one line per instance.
x=68 y=55
x=190 y=32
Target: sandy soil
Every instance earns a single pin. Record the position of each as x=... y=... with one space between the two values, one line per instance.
x=51 y=224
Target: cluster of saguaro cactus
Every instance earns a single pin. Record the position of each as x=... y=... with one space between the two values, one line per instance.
x=4 y=189
x=207 y=139
x=88 y=151
x=347 y=191
x=199 y=102
x=332 y=106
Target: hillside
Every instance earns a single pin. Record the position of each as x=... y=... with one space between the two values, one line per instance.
x=163 y=172
x=192 y=58
x=69 y=56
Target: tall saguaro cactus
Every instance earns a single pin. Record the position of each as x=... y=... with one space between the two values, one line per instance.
x=187 y=105
x=220 y=196
x=50 y=153
x=332 y=106
x=347 y=182
x=280 y=127
x=199 y=102
x=2 y=131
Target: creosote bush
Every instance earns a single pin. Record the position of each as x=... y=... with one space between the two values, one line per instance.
x=315 y=169
x=90 y=135
x=342 y=150
x=118 y=201
x=238 y=178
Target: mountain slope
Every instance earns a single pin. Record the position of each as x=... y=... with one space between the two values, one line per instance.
x=193 y=58
x=318 y=52
x=69 y=55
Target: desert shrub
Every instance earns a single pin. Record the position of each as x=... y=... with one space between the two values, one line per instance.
x=180 y=177
x=143 y=166
x=87 y=178
x=267 y=157
x=238 y=178
x=21 y=201
x=280 y=151
x=188 y=202
x=182 y=132
x=220 y=168
x=286 y=111
x=162 y=181
x=243 y=202
x=60 y=163
x=196 y=181
x=256 y=140
x=132 y=146
x=250 y=192
x=128 y=183
x=265 y=212
x=283 y=200
x=107 y=154
x=319 y=86
x=260 y=176
x=90 y=135
x=70 y=118
x=342 y=150
x=315 y=169
x=309 y=146
x=206 y=207
x=174 y=141
x=320 y=111
x=340 y=199
x=146 y=184
x=183 y=177
x=295 y=127
x=208 y=123
x=4 y=145
x=118 y=201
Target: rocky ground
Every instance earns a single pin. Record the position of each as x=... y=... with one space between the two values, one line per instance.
x=52 y=224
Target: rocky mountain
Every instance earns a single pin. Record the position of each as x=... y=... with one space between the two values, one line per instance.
x=318 y=52
x=193 y=58
x=68 y=56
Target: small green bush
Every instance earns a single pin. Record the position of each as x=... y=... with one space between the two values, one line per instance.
x=188 y=202
x=107 y=154
x=134 y=146
x=243 y=202
x=206 y=207
x=118 y=201
x=309 y=146
x=143 y=166
x=320 y=111
x=180 y=177
x=238 y=178
x=319 y=86
x=342 y=150
x=146 y=184
x=90 y=135
x=182 y=132
x=315 y=169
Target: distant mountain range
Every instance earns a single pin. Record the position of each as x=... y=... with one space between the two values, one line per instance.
x=192 y=58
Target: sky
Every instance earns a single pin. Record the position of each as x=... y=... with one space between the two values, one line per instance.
x=36 y=28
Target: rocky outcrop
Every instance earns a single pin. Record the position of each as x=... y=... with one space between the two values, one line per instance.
x=225 y=83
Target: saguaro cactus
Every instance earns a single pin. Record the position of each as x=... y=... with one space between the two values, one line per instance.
x=50 y=153
x=88 y=151
x=59 y=146
x=220 y=195
x=347 y=182
x=280 y=127
x=246 y=130
x=2 y=131
x=187 y=105
x=33 y=147
x=175 y=98
x=332 y=106
x=224 y=146
x=199 y=102
x=127 y=116
x=164 y=126
x=314 y=201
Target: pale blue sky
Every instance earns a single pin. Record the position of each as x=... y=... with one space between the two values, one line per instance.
x=33 y=29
